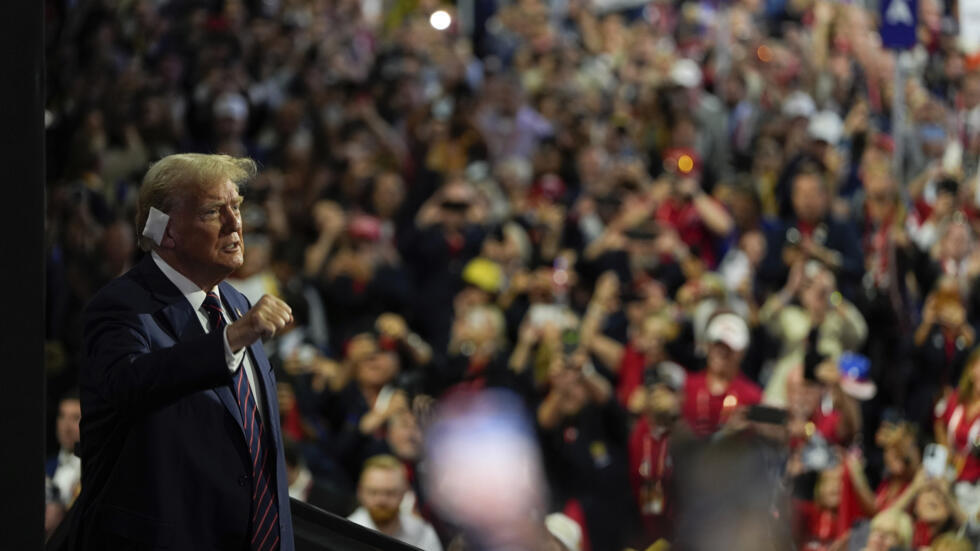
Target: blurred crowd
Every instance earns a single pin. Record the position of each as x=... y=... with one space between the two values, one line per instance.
x=676 y=230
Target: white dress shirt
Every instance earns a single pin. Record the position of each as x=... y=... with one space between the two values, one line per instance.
x=195 y=296
x=413 y=530
x=67 y=476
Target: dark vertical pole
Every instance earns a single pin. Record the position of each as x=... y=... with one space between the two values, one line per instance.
x=22 y=275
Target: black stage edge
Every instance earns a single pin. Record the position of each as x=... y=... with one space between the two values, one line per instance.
x=22 y=275
x=318 y=530
x=314 y=530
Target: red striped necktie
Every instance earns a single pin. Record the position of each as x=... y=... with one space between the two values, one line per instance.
x=264 y=524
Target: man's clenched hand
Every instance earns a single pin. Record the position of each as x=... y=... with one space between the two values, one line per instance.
x=269 y=316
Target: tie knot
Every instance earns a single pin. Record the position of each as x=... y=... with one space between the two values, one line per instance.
x=212 y=301
x=212 y=305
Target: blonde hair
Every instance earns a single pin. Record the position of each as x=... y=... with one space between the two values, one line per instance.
x=965 y=388
x=951 y=542
x=169 y=179
x=384 y=462
x=898 y=522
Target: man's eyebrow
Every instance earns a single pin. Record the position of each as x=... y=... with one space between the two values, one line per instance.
x=216 y=203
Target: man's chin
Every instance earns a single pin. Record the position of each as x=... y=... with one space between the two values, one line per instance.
x=382 y=515
x=232 y=262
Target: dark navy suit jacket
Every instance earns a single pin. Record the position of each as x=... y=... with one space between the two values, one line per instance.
x=165 y=464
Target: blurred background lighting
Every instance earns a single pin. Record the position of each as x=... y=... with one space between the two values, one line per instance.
x=440 y=20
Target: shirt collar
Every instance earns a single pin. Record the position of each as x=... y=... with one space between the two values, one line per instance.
x=194 y=295
x=65 y=456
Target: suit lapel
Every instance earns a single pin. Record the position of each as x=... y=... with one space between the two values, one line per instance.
x=262 y=367
x=176 y=312
x=237 y=307
x=184 y=324
x=180 y=314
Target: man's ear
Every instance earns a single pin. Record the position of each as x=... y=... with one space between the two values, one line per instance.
x=168 y=241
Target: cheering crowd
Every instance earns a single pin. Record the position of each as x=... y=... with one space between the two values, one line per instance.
x=677 y=231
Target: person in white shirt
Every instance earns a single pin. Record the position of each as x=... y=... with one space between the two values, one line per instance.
x=65 y=469
x=382 y=487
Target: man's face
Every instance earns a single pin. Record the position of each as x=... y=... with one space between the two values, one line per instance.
x=404 y=436
x=956 y=242
x=389 y=193
x=573 y=396
x=652 y=337
x=723 y=360
x=69 y=414
x=461 y=197
x=930 y=507
x=663 y=404
x=880 y=194
x=381 y=492
x=207 y=231
x=815 y=294
x=809 y=198
x=971 y=92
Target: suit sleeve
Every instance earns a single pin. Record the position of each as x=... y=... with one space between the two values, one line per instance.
x=852 y=257
x=130 y=375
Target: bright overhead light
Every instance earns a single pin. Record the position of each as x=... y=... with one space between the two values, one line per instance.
x=440 y=20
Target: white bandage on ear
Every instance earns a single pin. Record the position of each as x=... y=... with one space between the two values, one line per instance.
x=156 y=225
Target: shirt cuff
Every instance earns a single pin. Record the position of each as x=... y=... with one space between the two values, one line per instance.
x=232 y=359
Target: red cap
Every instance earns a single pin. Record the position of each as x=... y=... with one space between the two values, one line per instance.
x=548 y=186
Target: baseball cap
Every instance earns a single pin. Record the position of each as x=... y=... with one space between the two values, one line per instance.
x=685 y=73
x=730 y=330
x=856 y=376
x=825 y=126
x=484 y=274
x=668 y=374
x=798 y=104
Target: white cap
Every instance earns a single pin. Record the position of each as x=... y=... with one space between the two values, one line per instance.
x=686 y=73
x=568 y=532
x=730 y=330
x=798 y=104
x=231 y=105
x=826 y=126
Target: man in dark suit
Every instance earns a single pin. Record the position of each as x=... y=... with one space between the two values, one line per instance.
x=812 y=233
x=180 y=439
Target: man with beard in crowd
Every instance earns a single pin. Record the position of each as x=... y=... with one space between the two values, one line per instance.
x=380 y=491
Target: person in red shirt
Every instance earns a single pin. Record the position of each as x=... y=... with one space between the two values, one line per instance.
x=650 y=329
x=712 y=396
x=819 y=523
x=650 y=462
x=902 y=460
x=696 y=216
x=935 y=513
x=957 y=424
